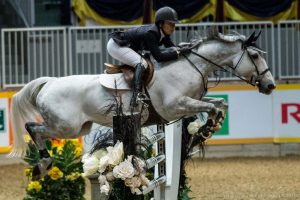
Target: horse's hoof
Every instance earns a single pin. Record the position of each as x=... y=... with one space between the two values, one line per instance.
x=206 y=135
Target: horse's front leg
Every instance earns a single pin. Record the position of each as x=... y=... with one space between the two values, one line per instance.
x=222 y=106
x=218 y=102
x=188 y=106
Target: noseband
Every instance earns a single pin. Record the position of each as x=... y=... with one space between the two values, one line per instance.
x=256 y=80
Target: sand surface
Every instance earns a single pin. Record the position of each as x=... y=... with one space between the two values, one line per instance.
x=226 y=178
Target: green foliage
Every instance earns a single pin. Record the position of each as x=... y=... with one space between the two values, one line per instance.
x=64 y=180
x=184 y=191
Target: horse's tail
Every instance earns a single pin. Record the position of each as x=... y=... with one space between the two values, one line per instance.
x=23 y=110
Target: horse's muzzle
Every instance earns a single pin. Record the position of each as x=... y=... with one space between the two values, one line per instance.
x=266 y=89
x=271 y=86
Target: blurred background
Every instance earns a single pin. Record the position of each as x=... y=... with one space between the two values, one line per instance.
x=63 y=37
x=68 y=37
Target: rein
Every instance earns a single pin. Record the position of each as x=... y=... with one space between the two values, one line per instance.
x=252 y=80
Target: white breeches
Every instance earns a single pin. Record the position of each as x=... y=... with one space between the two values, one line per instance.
x=125 y=54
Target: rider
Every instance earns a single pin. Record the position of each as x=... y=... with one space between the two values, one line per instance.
x=126 y=46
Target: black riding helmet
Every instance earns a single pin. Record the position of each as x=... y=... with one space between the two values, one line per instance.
x=166 y=14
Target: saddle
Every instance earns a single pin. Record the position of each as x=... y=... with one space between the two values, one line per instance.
x=128 y=72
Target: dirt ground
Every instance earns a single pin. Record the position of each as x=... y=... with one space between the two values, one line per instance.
x=210 y=179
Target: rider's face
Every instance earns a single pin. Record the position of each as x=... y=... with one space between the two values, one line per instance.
x=168 y=27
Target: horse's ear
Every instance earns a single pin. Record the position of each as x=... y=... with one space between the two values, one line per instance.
x=255 y=38
x=250 y=40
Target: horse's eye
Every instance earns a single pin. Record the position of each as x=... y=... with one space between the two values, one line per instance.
x=254 y=56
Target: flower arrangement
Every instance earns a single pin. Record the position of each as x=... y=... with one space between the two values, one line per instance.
x=113 y=168
x=64 y=179
x=194 y=126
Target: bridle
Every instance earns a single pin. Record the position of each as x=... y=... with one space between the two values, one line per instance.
x=249 y=43
x=254 y=80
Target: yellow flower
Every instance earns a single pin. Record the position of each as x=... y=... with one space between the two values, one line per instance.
x=27 y=172
x=73 y=176
x=58 y=143
x=153 y=153
x=78 y=151
x=55 y=173
x=27 y=138
x=59 y=150
x=34 y=185
x=74 y=141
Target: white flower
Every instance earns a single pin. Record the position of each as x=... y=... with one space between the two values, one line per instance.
x=100 y=153
x=140 y=165
x=134 y=183
x=105 y=189
x=102 y=179
x=104 y=185
x=136 y=191
x=103 y=163
x=110 y=176
x=90 y=165
x=194 y=126
x=144 y=180
x=85 y=157
x=115 y=154
x=124 y=169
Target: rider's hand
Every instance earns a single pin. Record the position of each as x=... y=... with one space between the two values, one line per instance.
x=184 y=50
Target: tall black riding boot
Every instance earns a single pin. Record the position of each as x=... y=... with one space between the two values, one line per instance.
x=137 y=83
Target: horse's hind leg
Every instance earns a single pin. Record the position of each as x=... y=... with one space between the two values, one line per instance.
x=35 y=130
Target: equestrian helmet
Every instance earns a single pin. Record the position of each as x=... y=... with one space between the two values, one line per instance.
x=166 y=14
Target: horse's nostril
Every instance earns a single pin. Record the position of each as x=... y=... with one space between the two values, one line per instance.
x=271 y=86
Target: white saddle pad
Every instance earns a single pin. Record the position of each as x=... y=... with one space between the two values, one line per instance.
x=114 y=81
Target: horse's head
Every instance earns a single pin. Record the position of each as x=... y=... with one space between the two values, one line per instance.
x=245 y=60
x=251 y=66
x=254 y=67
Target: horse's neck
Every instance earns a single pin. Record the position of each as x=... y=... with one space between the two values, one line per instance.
x=178 y=75
x=191 y=72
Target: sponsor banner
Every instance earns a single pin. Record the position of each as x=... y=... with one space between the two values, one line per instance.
x=287 y=116
x=258 y=118
x=5 y=125
x=249 y=115
x=4 y=129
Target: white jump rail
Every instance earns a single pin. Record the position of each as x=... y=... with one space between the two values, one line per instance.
x=167 y=162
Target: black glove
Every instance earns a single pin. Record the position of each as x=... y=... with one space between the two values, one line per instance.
x=184 y=50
